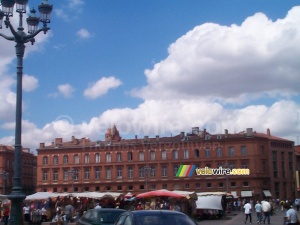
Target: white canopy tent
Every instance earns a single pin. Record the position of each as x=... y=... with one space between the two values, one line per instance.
x=209 y=202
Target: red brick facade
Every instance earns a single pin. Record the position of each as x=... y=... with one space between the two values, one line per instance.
x=29 y=166
x=137 y=165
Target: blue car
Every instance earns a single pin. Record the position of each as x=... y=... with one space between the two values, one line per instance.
x=154 y=217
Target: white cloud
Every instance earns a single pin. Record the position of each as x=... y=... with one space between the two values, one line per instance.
x=74 y=4
x=66 y=90
x=230 y=64
x=83 y=34
x=101 y=87
x=206 y=69
x=30 y=83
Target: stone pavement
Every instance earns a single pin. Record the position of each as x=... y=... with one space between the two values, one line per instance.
x=238 y=218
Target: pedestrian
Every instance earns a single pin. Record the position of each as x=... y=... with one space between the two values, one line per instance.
x=44 y=214
x=247 y=208
x=258 y=209
x=6 y=215
x=239 y=204
x=69 y=212
x=98 y=206
x=26 y=213
x=282 y=202
x=297 y=203
x=266 y=209
x=291 y=216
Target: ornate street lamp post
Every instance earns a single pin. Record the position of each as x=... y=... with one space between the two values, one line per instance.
x=20 y=37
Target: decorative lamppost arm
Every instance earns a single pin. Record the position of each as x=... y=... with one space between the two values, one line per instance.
x=7 y=37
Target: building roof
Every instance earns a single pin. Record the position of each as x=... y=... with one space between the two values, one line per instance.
x=182 y=137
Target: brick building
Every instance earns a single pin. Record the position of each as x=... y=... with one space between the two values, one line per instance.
x=143 y=164
x=29 y=164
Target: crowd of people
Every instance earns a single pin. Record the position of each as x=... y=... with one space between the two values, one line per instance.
x=266 y=208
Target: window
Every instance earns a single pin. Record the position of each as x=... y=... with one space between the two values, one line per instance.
x=207 y=153
x=164 y=171
x=119 y=157
x=130 y=172
x=75 y=174
x=152 y=155
x=244 y=165
x=108 y=157
x=219 y=152
x=119 y=172
x=152 y=171
x=175 y=154
x=141 y=172
x=141 y=156
x=45 y=160
x=66 y=175
x=76 y=159
x=245 y=183
x=66 y=159
x=86 y=174
x=185 y=153
x=55 y=160
x=152 y=186
x=129 y=156
x=243 y=150
x=221 y=185
x=275 y=168
x=86 y=158
x=197 y=153
x=55 y=175
x=97 y=173
x=164 y=154
x=45 y=175
x=97 y=158
x=233 y=184
x=187 y=185
x=208 y=185
x=165 y=186
x=108 y=173
x=231 y=151
x=232 y=165
x=197 y=185
x=175 y=170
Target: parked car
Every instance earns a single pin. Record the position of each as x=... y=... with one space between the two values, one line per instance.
x=106 y=216
x=154 y=217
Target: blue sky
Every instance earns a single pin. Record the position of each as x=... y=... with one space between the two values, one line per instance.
x=156 y=68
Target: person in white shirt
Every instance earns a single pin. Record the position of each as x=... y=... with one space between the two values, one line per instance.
x=98 y=206
x=247 y=208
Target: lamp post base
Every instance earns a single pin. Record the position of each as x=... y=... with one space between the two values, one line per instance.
x=16 y=214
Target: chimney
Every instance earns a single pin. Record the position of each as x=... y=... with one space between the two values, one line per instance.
x=181 y=134
x=58 y=140
x=249 y=132
x=145 y=138
x=226 y=132
x=268 y=132
x=73 y=139
x=42 y=145
x=135 y=137
x=204 y=133
x=157 y=138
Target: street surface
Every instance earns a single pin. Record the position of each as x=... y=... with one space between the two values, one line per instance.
x=238 y=218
